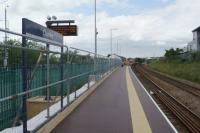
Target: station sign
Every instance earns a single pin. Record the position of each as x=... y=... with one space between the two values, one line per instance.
x=35 y=29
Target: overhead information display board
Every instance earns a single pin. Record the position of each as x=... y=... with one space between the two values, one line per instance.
x=63 y=27
x=66 y=30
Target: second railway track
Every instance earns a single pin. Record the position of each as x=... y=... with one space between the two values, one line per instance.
x=189 y=88
x=189 y=119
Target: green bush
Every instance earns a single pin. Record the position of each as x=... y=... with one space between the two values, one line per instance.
x=195 y=56
x=173 y=53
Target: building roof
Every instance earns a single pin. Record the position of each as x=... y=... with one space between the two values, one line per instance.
x=197 y=29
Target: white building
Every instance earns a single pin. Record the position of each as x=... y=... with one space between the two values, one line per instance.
x=196 y=39
x=185 y=49
x=192 y=46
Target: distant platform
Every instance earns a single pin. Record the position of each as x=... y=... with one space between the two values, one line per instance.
x=119 y=105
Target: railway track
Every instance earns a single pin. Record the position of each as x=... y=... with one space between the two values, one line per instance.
x=189 y=119
x=186 y=87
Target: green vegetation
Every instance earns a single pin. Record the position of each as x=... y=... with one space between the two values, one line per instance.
x=140 y=60
x=174 y=65
x=187 y=70
x=173 y=53
x=14 y=55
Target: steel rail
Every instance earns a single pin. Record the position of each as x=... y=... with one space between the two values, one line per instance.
x=181 y=85
x=150 y=78
x=30 y=49
x=177 y=108
x=82 y=50
x=88 y=52
x=43 y=40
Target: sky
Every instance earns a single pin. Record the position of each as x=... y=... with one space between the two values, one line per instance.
x=145 y=28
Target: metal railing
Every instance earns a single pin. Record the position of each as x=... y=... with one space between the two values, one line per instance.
x=47 y=70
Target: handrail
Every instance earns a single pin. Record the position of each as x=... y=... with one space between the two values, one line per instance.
x=32 y=37
x=104 y=67
x=42 y=87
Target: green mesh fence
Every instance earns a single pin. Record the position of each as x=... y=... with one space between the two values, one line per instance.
x=11 y=84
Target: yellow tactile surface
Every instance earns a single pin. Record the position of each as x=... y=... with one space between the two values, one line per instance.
x=139 y=120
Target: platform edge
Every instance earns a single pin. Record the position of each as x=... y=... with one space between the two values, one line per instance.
x=163 y=114
x=48 y=127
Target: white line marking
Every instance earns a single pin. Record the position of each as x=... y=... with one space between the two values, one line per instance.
x=168 y=121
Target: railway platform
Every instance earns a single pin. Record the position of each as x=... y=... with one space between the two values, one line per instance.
x=120 y=104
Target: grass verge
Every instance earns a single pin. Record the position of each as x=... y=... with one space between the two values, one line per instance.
x=182 y=69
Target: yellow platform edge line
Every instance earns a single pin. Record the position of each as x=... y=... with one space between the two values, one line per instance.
x=140 y=123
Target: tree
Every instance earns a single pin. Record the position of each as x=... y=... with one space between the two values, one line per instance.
x=14 y=54
x=34 y=57
x=173 y=53
x=140 y=60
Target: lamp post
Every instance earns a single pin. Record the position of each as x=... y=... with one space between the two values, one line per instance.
x=120 y=50
x=117 y=47
x=95 y=36
x=5 y=59
x=5 y=62
x=111 y=37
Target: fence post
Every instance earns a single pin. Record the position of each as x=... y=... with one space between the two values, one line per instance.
x=88 y=85
x=13 y=91
x=48 y=81
x=24 y=81
x=68 y=76
x=43 y=78
x=75 y=93
x=62 y=77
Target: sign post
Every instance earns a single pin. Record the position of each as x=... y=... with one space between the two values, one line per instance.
x=33 y=29
x=24 y=79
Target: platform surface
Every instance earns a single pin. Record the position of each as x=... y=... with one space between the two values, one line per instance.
x=119 y=105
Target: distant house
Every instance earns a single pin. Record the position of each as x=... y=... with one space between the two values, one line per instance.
x=195 y=44
x=192 y=47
